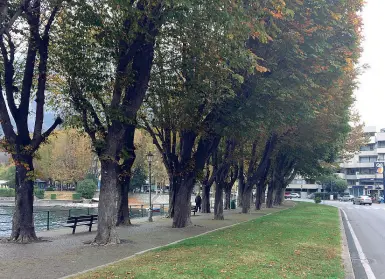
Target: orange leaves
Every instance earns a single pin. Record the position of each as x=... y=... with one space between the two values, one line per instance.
x=261 y=69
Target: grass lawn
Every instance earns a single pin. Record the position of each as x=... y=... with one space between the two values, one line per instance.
x=302 y=242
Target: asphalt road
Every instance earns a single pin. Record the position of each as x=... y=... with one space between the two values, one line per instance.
x=365 y=231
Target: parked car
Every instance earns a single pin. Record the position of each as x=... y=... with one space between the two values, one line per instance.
x=346 y=197
x=295 y=195
x=287 y=196
x=363 y=200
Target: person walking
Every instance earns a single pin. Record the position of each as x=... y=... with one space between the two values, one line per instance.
x=198 y=203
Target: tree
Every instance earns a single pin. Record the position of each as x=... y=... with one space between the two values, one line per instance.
x=66 y=157
x=332 y=183
x=24 y=58
x=138 y=179
x=120 y=38
x=86 y=188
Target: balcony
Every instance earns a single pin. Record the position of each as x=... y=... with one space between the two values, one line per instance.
x=368 y=153
x=358 y=165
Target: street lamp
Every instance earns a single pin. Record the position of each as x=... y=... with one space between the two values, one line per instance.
x=150 y=157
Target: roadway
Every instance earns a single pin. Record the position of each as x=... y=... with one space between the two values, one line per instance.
x=365 y=231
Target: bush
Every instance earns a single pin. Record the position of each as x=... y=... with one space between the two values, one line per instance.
x=50 y=189
x=86 y=188
x=317 y=200
x=53 y=196
x=39 y=193
x=76 y=196
x=4 y=192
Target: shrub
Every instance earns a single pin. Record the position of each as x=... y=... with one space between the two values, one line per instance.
x=4 y=192
x=39 y=193
x=86 y=188
x=76 y=196
x=50 y=189
x=317 y=199
x=53 y=196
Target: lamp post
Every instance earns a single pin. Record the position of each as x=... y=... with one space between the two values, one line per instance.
x=150 y=156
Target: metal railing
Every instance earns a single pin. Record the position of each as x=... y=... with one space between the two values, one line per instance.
x=48 y=219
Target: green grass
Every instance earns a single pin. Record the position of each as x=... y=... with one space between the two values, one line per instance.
x=302 y=242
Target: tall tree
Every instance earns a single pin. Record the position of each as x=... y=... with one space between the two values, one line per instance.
x=24 y=56
x=118 y=37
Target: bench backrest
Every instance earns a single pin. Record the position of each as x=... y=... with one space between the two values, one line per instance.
x=83 y=218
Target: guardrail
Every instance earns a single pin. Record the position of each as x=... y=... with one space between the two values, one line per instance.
x=48 y=219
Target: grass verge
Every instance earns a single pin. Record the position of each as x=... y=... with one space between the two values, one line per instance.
x=302 y=242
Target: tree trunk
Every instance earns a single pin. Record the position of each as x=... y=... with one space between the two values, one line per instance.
x=218 y=204
x=270 y=195
x=279 y=196
x=206 y=199
x=23 y=229
x=128 y=155
x=259 y=194
x=123 y=217
x=107 y=233
x=246 y=198
x=174 y=183
x=241 y=184
x=227 y=198
x=182 y=204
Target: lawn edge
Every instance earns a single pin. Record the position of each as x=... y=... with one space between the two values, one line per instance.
x=166 y=245
x=345 y=254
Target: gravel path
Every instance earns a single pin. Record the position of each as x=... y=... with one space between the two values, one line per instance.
x=62 y=253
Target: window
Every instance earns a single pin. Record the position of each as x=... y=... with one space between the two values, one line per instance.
x=381 y=157
x=381 y=144
x=351 y=171
x=368 y=147
x=368 y=159
x=351 y=182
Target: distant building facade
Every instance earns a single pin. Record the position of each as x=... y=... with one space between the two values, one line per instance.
x=360 y=172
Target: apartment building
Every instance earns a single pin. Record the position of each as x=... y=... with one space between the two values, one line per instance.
x=303 y=186
x=360 y=172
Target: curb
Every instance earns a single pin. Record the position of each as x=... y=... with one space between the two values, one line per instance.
x=169 y=244
x=345 y=254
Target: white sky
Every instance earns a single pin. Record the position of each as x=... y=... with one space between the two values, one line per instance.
x=370 y=95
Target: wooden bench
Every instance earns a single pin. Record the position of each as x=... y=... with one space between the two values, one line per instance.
x=84 y=220
x=194 y=209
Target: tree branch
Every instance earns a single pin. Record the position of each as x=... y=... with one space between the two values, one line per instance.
x=5 y=121
x=36 y=142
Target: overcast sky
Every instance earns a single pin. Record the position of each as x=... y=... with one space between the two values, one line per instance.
x=370 y=95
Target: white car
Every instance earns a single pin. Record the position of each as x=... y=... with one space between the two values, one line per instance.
x=295 y=195
x=363 y=200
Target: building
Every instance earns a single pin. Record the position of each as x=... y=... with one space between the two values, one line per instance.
x=360 y=171
x=303 y=186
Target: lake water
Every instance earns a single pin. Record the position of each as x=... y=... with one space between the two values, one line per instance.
x=49 y=218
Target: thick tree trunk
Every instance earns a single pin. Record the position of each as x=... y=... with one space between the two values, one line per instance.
x=128 y=155
x=123 y=217
x=227 y=198
x=241 y=184
x=206 y=199
x=23 y=229
x=182 y=204
x=218 y=204
x=270 y=195
x=174 y=183
x=259 y=194
x=278 y=199
x=246 y=199
x=107 y=233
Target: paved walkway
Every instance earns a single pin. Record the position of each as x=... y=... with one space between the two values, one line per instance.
x=63 y=254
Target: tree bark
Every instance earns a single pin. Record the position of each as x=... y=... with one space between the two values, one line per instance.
x=227 y=198
x=182 y=204
x=278 y=199
x=241 y=184
x=206 y=199
x=270 y=195
x=23 y=229
x=123 y=217
x=259 y=194
x=107 y=233
x=218 y=204
x=246 y=199
x=128 y=155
